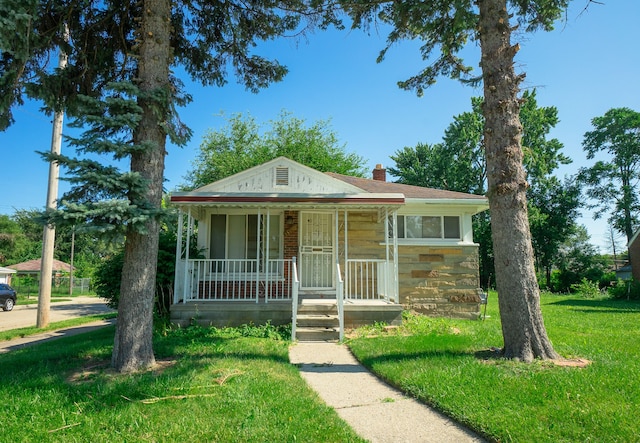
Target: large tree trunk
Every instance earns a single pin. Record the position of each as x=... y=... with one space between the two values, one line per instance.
x=133 y=345
x=525 y=337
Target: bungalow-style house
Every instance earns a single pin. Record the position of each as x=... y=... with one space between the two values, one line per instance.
x=284 y=243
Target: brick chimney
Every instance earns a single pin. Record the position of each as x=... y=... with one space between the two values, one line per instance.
x=380 y=173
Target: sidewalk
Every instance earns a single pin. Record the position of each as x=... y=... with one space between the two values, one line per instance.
x=21 y=342
x=373 y=409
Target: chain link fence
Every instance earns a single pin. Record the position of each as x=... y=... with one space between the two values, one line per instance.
x=28 y=286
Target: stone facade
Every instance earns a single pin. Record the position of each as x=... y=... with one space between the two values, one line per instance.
x=440 y=281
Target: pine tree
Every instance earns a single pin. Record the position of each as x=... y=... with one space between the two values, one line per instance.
x=119 y=89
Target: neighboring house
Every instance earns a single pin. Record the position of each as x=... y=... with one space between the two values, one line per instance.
x=634 y=255
x=282 y=241
x=33 y=267
x=5 y=275
x=624 y=272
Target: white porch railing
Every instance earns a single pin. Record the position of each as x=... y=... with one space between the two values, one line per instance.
x=238 y=280
x=370 y=280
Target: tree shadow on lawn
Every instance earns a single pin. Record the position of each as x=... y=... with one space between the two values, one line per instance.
x=431 y=354
x=605 y=306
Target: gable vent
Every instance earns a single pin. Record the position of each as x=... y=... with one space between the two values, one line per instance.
x=282 y=176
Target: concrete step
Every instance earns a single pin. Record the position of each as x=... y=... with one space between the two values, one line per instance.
x=317 y=334
x=315 y=295
x=318 y=320
x=326 y=307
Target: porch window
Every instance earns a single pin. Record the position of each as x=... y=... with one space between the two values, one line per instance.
x=236 y=236
x=428 y=227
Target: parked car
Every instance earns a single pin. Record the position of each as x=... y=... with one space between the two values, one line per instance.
x=7 y=297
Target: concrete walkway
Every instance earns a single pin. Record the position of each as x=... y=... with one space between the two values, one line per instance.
x=376 y=411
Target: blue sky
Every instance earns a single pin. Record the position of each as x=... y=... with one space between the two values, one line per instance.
x=589 y=64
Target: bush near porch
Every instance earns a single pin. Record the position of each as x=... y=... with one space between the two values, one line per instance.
x=449 y=364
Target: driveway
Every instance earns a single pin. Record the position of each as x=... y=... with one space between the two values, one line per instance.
x=24 y=316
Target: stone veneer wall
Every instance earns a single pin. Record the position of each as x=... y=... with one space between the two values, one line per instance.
x=440 y=280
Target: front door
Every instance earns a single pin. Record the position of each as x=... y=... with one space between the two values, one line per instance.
x=316 y=250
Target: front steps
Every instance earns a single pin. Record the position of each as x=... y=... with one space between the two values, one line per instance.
x=317 y=320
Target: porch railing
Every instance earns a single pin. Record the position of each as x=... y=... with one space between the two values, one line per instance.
x=238 y=280
x=370 y=280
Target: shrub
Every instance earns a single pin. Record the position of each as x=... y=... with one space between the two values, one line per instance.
x=107 y=279
x=586 y=288
x=626 y=290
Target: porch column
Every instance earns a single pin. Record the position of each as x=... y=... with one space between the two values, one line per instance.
x=347 y=291
x=177 y=289
x=396 y=290
x=265 y=266
x=186 y=289
x=258 y=257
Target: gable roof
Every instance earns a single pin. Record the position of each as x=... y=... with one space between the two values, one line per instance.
x=285 y=182
x=262 y=179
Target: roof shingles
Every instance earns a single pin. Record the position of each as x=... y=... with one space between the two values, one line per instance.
x=409 y=191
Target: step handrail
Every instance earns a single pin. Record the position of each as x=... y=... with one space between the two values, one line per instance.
x=295 y=284
x=340 y=297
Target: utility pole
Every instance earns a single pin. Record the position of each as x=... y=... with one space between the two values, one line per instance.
x=73 y=241
x=49 y=232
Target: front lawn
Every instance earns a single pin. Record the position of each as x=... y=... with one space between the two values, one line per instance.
x=210 y=386
x=450 y=365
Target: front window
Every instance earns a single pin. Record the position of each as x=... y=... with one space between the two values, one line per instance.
x=428 y=227
x=236 y=236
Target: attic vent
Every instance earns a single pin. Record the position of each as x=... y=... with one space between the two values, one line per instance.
x=282 y=176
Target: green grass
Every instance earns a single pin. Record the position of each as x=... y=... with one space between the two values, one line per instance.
x=32 y=330
x=214 y=386
x=445 y=363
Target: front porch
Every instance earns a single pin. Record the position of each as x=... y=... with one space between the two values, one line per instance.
x=233 y=292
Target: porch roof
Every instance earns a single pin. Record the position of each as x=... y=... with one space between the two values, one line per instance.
x=343 y=200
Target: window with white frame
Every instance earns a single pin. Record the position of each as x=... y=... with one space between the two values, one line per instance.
x=434 y=227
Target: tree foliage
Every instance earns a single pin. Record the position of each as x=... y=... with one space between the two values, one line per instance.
x=578 y=260
x=612 y=182
x=21 y=240
x=241 y=145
